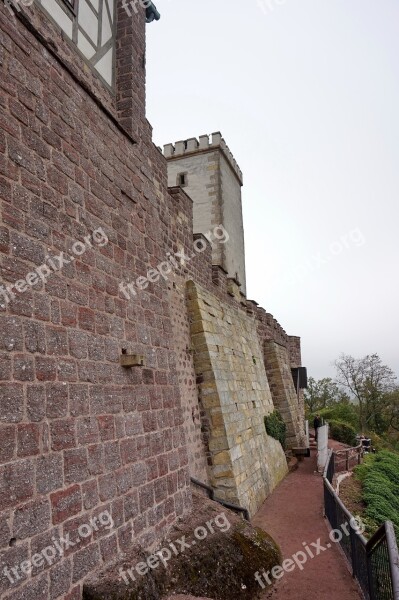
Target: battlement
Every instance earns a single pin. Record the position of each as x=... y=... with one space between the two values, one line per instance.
x=203 y=144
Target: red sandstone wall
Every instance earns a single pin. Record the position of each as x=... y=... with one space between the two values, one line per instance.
x=80 y=434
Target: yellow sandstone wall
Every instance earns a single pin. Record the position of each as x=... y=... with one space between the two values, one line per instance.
x=244 y=463
x=277 y=363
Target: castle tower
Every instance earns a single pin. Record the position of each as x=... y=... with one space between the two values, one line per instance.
x=209 y=174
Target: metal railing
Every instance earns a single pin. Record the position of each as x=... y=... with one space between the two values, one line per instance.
x=346 y=459
x=375 y=562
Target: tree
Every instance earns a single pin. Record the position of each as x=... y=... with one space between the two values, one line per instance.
x=368 y=381
x=391 y=400
x=323 y=393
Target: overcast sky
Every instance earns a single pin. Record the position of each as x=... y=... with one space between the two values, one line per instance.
x=306 y=95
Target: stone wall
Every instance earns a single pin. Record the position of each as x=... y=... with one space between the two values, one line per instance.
x=203 y=187
x=215 y=281
x=245 y=463
x=233 y=222
x=80 y=434
x=191 y=406
x=213 y=181
x=285 y=396
x=282 y=353
x=295 y=357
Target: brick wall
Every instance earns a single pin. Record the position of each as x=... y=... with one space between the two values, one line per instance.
x=80 y=434
x=282 y=353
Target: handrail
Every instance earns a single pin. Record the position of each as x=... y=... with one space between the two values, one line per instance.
x=329 y=455
x=345 y=455
x=385 y=535
x=359 y=447
x=376 y=537
x=393 y=554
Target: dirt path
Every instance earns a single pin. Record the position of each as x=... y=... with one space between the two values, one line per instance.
x=293 y=514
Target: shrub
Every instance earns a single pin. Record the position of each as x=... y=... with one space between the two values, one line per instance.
x=379 y=475
x=276 y=428
x=342 y=432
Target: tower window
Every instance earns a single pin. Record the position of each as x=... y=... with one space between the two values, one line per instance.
x=182 y=179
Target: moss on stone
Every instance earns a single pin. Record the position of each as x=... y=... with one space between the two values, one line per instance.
x=222 y=567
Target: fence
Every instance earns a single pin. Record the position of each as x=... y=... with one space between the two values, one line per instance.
x=345 y=460
x=375 y=562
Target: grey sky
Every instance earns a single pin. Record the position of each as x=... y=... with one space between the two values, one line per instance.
x=306 y=95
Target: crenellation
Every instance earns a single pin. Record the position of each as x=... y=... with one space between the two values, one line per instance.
x=180 y=148
x=192 y=145
x=186 y=147
x=168 y=150
x=204 y=142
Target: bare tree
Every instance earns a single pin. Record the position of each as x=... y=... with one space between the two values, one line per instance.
x=323 y=393
x=368 y=380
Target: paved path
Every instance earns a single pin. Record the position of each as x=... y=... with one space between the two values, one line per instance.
x=293 y=514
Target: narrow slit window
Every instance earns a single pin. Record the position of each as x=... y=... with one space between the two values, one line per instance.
x=182 y=179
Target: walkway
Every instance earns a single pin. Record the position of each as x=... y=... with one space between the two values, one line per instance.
x=293 y=514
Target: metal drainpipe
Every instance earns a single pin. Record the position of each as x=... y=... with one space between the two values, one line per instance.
x=211 y=494
x=151 y=13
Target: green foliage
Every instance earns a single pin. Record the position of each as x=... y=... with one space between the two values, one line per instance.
x=373 y=385
x=390 y=412
x=379 y=475
x=343 y=412
x=386 y=441
x=276 y=428
x=322 y=393
x=342 y=432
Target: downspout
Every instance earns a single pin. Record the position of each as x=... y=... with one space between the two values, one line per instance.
x=151 y=13
x=211 y=495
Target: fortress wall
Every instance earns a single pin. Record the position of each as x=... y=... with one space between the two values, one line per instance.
x=225 y=291
x=245 y=464
x=285 y=397
x=79 y=433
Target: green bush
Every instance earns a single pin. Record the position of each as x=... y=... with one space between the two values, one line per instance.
x=276 y=427
x=379 y=475
x=342 y=432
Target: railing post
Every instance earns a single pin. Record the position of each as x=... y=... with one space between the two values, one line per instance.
x=393 y=557
x=353 y=552
x=370 y=576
